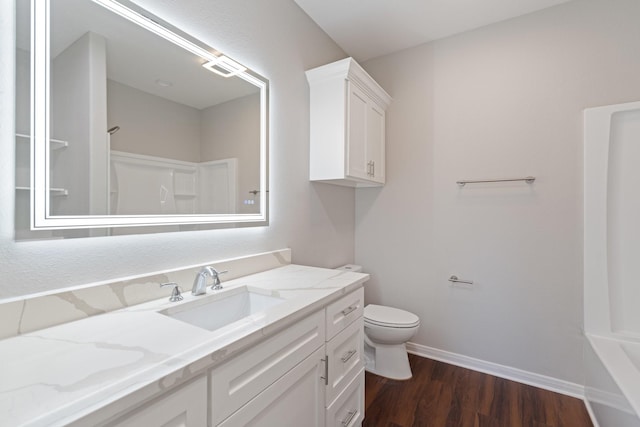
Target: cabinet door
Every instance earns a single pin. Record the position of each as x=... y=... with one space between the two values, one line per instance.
x=365 y=137
x=357 y=111
x=375 y=142
x=296 y=399
x=185 y=407
x=240 y=379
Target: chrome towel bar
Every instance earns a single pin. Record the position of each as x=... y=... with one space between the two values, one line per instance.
x=455 y=279
x=528 y=180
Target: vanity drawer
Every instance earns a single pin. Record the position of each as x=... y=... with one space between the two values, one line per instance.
x=344 y=311
x=345 y=352
x=244 y=376
x=348 y=408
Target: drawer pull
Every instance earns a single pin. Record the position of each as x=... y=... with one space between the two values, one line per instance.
x=348 y=355
x=349 y=309
x=350 y=416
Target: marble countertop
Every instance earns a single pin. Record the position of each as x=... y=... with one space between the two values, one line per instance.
x=59 y=375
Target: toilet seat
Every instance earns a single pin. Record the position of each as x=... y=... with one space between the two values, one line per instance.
x=389 y=317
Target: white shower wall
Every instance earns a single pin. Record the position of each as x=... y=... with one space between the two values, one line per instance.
x=623 y=226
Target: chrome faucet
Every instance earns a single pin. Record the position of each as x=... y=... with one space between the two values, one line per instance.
x=200 y=282
x=175 y=292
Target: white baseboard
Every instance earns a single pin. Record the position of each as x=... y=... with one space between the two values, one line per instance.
x=507 y=372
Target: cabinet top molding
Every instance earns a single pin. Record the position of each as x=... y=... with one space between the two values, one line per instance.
x=350 y=70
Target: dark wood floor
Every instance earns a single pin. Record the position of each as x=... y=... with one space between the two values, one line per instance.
x=442 y=395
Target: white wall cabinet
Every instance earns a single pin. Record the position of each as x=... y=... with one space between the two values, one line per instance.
x=347 y=125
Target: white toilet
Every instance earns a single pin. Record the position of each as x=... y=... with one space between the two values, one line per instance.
x=386 y=330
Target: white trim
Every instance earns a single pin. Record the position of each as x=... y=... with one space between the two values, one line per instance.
x=592 y=414
x=615 y=401
x=507 y=372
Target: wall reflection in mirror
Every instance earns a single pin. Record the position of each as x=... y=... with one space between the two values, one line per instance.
x=137 y=125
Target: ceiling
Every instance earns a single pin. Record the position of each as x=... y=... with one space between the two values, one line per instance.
x=372 y=28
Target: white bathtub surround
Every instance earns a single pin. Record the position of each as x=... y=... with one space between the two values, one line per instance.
x=605 y=401
x=33 y=312
x=611 y=247
x=59 y=375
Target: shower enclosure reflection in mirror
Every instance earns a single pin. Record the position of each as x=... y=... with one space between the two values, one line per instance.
x=198 y=152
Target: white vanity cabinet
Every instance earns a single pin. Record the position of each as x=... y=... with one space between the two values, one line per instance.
x=183 y=407
x=309 y=374
x=347 y=125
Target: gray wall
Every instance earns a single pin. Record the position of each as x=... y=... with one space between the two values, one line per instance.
x=501 y=101
x=277 y=40
x=152 y=125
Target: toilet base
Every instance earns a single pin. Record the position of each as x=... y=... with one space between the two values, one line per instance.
x=389 y=361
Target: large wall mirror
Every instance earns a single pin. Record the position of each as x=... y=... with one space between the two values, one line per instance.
x=132 y=122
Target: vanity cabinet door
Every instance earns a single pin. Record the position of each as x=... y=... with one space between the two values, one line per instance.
x=185 y=407
x=296 y=399
x=244 y=376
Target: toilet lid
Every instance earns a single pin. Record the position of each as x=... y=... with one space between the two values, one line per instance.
x=390 y=317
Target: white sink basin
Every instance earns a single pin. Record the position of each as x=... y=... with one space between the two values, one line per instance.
x=217 y=311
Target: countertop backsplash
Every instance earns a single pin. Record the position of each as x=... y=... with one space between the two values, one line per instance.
x=31 y=313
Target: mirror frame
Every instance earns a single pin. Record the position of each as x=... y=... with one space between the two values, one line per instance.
x=40 y=127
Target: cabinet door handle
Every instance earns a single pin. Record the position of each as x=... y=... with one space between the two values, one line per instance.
x=348 y=355
x=350 y=416
x=326 y=370
x=373 y=168
x=349 y=309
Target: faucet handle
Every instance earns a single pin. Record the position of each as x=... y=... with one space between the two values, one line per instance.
x=175 y=293
x=216 y=286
